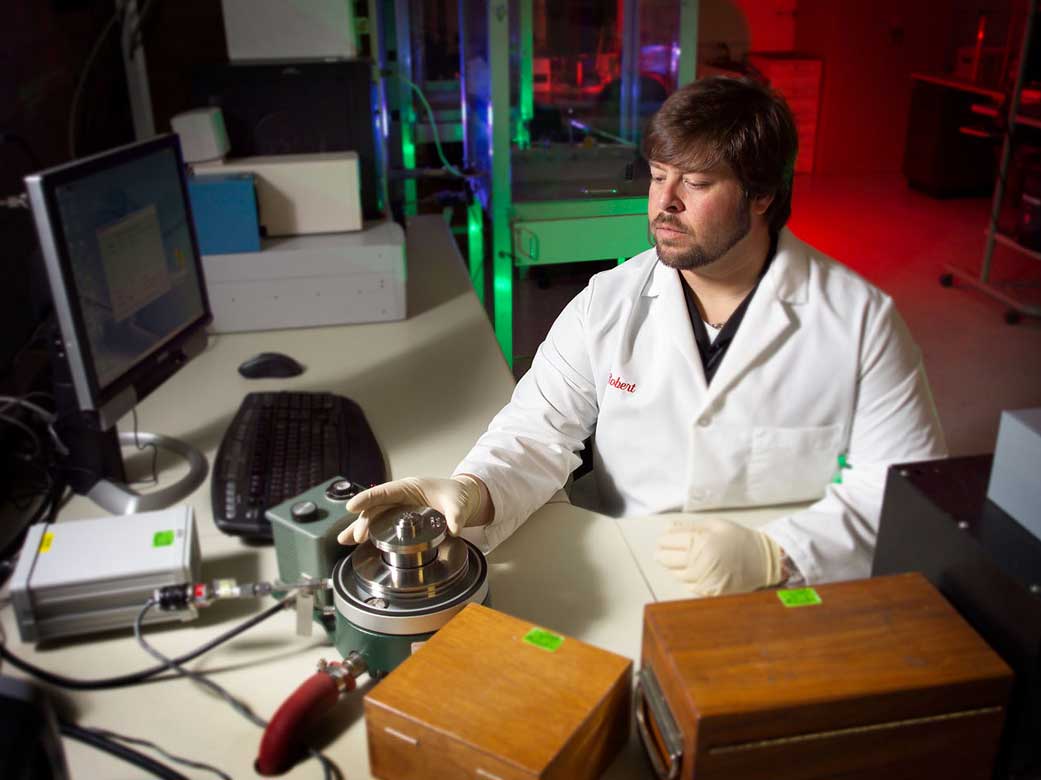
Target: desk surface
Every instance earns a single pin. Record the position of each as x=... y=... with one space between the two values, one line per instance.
x=429 y=385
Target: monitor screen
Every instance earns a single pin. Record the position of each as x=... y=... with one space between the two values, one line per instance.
x=123 y=265
x=130 y=247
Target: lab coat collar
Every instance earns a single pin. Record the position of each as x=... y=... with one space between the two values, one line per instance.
x=789 y=274
x=664 y=283
x=768 y=320
x=787 y=277
x=771 y=316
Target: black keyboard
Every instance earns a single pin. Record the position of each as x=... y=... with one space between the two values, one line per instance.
x=282 y=444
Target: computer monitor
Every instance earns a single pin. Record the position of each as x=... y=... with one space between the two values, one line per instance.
x=122 y=262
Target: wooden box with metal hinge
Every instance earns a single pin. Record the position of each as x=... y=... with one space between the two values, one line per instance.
x=853 y=680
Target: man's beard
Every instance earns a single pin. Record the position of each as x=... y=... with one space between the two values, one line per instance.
x=699 y=255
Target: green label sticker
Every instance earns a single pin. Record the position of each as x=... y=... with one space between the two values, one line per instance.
x=547 y=640
x=163 y=539
x=799 y=597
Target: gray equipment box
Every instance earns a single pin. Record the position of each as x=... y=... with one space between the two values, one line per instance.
x=1014 y=483
x=82 y=576
x=312 y=280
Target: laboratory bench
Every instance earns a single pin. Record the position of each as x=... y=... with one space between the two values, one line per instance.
x=429 y=385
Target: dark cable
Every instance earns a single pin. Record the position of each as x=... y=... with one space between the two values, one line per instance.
x=329 y=769
x=61 y=495
x=128 y=754
x=239 y=706
x=31 y=341
x=81 y=82
x=136 y=37
x=123 y=738
x=135 y=677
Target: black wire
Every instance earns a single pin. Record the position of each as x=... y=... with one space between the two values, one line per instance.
x=53 y=498
x=329 y=770
x=123 y=738
x=61 y=495
x=134 y=678
x=240 y=707
x=136 y=36
x=31 y=341
x=81 y=82
x=128 y=754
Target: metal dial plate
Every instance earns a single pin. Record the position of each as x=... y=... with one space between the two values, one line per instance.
x=404 y=530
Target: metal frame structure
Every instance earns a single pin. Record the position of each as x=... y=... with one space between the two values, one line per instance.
x=527 y=229
x=983 y=281
x=539 y=232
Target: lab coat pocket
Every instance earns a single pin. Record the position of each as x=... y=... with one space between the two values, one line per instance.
x=792 y=464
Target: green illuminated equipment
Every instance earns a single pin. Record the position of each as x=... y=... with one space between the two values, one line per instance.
x=555 y=95
x=552 y=99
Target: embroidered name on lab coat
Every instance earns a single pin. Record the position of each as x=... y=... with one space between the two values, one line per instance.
x=616 y=381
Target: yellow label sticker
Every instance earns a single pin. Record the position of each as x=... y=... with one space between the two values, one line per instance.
x=46 y=542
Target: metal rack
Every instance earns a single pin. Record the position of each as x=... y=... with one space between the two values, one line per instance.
x=541 y=202
x=983 y=282
x=539 y=219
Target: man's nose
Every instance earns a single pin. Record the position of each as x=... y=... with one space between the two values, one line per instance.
x=668 y=199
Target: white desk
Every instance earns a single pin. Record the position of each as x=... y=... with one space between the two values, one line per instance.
x=429 y=385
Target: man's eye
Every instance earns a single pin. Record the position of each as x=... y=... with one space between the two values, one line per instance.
x=696 y=185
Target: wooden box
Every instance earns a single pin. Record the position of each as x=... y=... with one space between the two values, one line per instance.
x=866 y=679
x=495 y=698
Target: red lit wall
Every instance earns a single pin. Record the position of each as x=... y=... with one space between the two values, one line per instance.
x=747 y=25
x=870 y=49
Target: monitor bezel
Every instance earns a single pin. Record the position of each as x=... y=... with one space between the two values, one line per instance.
x=120 y=395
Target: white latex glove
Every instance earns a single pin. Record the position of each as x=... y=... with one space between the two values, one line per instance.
x=458 y=499
x=717 y=556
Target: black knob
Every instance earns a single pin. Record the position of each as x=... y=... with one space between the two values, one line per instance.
x=342 y=489
x=304 y=511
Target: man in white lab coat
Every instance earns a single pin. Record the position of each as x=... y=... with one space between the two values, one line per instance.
x=731 y=365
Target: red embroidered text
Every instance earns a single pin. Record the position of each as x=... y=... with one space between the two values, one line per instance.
x=615 y=381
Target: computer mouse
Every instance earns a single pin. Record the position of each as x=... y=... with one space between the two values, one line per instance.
x=268 y=365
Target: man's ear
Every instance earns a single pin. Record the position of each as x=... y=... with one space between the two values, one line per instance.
x=760 y=203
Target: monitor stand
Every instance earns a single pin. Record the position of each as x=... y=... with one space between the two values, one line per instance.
x=120 y=499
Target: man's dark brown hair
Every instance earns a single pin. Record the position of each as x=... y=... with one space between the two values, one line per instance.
x=738 y=122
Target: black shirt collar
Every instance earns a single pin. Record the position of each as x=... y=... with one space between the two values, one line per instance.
x=712 y=352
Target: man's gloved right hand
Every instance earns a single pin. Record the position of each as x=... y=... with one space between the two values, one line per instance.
x=716 y=556
x=458 y=499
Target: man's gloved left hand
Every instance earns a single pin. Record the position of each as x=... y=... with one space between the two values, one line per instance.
x=717 y=556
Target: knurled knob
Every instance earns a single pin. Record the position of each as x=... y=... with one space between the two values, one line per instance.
x=304 y=511
x=342 y=490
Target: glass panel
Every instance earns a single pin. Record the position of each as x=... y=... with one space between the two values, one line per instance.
x=577 y=64
x=659 y=54
x=576 y=67
x=475 y=73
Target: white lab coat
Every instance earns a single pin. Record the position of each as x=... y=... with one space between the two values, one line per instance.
x=821 y=365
